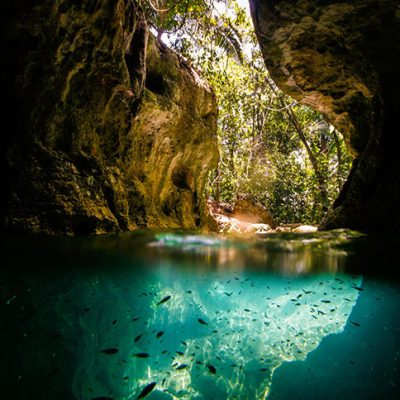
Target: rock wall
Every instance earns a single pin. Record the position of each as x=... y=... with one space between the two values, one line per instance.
x=343 y=59
x=105 y=128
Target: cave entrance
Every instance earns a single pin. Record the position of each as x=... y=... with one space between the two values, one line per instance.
x=280 y=178
x=281 y=162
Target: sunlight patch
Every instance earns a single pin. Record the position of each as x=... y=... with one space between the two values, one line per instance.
x=216 y=336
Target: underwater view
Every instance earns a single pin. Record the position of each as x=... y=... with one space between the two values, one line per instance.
x=172 y=315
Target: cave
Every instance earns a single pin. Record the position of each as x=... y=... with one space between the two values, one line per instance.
x=115 y=282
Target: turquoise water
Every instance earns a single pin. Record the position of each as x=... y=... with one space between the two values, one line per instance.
x=180 y=316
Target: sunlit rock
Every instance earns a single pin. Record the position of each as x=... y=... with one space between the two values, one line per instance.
x=105 y=128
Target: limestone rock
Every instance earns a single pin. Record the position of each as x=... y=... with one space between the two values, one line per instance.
x=343 y=59
x=105 y=128
x=248 y=210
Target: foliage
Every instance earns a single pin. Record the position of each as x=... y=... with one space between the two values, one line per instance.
x=283 y=154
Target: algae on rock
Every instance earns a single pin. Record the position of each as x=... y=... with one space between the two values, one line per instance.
x=107 y=129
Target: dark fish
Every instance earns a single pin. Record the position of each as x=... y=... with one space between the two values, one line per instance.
x=135 y=319
x=114 y=322
x=184 y=343
x=189 y=291
x=360 y=289
x=54 y=371
x=263 y=369
x=228 y=294
x=201 y=321
x=138 y=337
x=212 y=369
x=146 y=390
x=164 y=352
x=166 y=298
x=247 y=310
x=87 y=309
x=355 y=323
x=159 y=334
x=181 y=353
x=306 y=291
x=141 y=355
x=325 y=301
x=182 y=366
x=199 y=362
x=112 y=350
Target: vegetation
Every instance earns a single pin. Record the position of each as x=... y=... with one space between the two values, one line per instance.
x=284 y=155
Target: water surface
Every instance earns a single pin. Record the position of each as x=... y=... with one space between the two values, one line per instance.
x=179 y=316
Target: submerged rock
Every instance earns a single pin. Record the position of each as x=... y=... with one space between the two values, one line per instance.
x=343 y=58
x=106 y=129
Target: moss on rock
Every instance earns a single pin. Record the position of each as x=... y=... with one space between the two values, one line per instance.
x=99 y=117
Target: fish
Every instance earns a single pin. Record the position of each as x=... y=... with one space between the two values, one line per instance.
x=184 y=343
x=201 y=321
x=263 y=369
x=182 y=366
x=135 y=319
x=247 y=310
x=115 y=321
x=165 y=299
x=325 y=301
x=212 y=369
x=188 y=291
x=159 y=334
x=54 y=371
x=137 y=338
x=181 y=353
x=111 y=350
x=146 y=390
x=228 y=294
x=141 y=355
x=355 y=323
x=360 y=289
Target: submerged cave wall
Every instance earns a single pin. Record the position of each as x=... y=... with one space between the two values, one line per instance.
x=343 y=59
x=105 y=129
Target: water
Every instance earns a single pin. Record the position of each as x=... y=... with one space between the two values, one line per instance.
x=180 y=316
